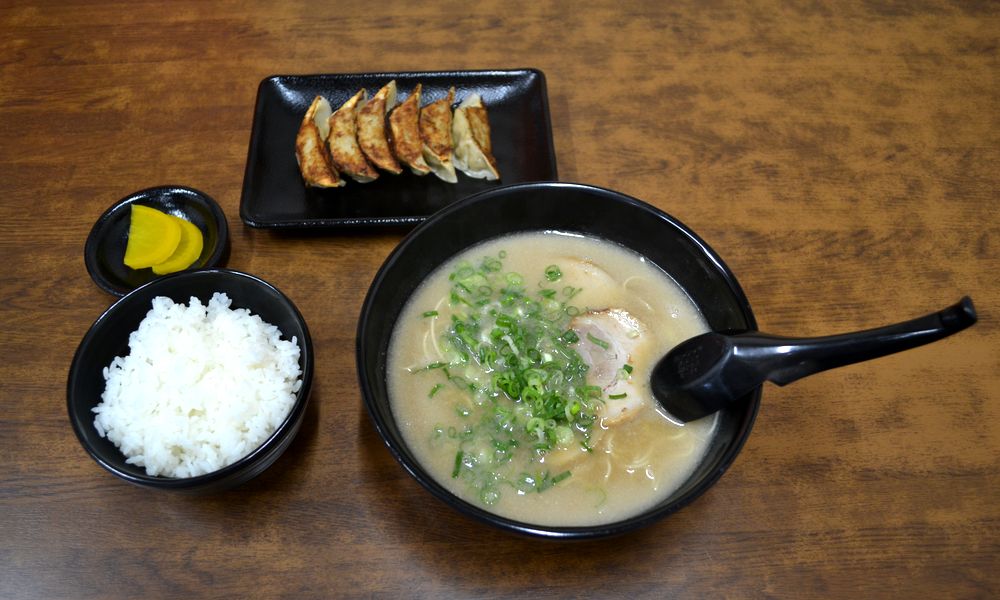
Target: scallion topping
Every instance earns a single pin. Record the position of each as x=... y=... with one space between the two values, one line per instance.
x=598 y=341
x=560 y=477
x=511 y=353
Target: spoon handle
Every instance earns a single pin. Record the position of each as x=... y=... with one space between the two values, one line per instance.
x=784 y=360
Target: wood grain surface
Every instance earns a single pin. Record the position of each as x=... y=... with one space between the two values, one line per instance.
x=843 y=158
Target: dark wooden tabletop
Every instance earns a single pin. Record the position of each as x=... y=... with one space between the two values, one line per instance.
x=844 y=161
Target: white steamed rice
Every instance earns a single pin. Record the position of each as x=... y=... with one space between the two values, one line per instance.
x=201 y=387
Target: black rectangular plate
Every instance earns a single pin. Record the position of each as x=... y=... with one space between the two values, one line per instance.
x=274 y=195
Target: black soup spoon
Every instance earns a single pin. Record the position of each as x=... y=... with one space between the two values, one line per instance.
x=705 y=373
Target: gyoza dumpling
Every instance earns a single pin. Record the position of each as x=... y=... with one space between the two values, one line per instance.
x=310 y=147
x=343 y=143
x=404 y=122
x=470 y=130
x=435 y=132
x=371 y=129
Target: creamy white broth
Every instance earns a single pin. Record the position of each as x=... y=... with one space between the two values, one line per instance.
x=631 y=463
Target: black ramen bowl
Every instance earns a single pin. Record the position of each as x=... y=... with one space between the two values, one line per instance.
x=108 y=337
x=104 y=251
x=567 y=208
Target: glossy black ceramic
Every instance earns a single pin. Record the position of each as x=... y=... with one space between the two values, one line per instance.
x=108 y=337
x=104 y=251
x=569 y=208
x=706 y=372
x=274 y=195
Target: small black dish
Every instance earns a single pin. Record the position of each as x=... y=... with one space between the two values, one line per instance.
x=570 y=208
x=108 y=337
x=104 y=251
x=275 y=197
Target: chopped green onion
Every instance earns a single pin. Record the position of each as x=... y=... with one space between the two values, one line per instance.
x=431 y=313
x=627 y=368
x=560 y=477
x=535 y=424
x=546 y=481
x=489 y=496
x=617 y=396
x=511 y=354
x=564 y=435
x=491 y=264
x=598 y=341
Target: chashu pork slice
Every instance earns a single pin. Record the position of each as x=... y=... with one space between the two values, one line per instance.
x=371 y=129
x=470 y=131
x=310 y=147
x=345 y=152
x=609 y=340
x=404 y=123
x=435 y=133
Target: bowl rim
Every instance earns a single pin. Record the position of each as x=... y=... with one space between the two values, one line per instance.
x=90 y=247
x=190 y=483
x=520 y=527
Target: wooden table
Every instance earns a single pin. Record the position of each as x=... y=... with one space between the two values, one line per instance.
x=843 y=160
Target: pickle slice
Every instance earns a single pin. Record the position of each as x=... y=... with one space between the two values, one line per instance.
x=188 y=249
x=152 y=237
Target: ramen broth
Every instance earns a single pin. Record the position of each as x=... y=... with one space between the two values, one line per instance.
x=473 y=385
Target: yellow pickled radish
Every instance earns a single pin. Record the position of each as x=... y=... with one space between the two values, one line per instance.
x=152 y=237
x=188 y=249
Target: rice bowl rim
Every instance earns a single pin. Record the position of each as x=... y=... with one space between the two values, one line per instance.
x=162 y=287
